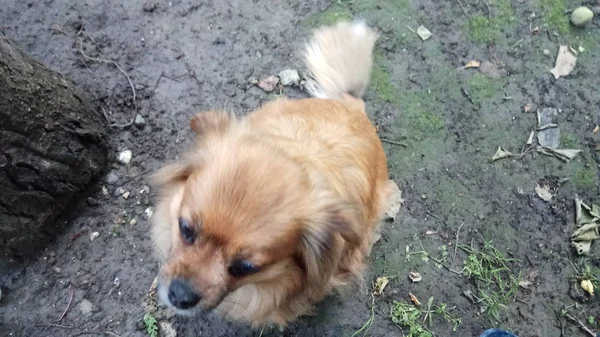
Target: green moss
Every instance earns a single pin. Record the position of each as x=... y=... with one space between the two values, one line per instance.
x=380 y=82
x=553 y=14
x=584 y=177
x=487 y=29
x=329 y=16
x=568 y=141
x=482 y=87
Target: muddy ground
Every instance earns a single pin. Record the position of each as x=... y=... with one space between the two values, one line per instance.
x=442 y=124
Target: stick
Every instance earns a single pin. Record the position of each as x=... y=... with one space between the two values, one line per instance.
x=581 y=325
x=462 y=7
x=72 y=292
x=456 y=242
x=80 y=44
x=489 y=10
x=436 y=217
x=383 y=140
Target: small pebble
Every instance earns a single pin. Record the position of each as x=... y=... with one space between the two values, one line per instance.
x=86 y=308
x=148 y=212
x=289 y=77
x=581 y=16
x=112 y=178
x=119 y=191
x=94 y=235
x=125 y=156
x=126 y=195
x=57 y=270
x=104 y=190
x=133 y=222
x=139 y=121
x=546 y=52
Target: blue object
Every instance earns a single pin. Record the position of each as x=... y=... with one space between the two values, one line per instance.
x=497 y=333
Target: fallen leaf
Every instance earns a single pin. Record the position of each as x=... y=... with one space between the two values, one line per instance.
x=596 y=129
x=430 y=232
x=583 y=213
x=473 y=64
x=415 y=277
x=543 y=192
x=501 y=153
x=588 y=286
x=424 y=33
x=563 y=154
x=414 y=299
x=527 y=107
x=380 y=285
x=529 y=279
x=587 y=232
x=582 y=247
x=565 y=63
x=530 y=139
x=268 y=83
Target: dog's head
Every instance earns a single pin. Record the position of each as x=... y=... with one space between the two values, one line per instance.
x=236 y=211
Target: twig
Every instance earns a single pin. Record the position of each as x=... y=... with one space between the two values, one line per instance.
x=383 y=140
x=72 y=293
x=95 y=59
x=462 y=7
x=489 y=10
x=466 y=93
x=580 y=323
x=135 y=176
x=456 y=242
x=436 y=217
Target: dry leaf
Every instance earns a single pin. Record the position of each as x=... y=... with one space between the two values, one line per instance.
x=582 y=247
x=424 y=33
x=473 y=64
x=501 y=153
x=543 y=192
x=583 y=213
x=588 y=286
x=563 y=154
x=587 y=232
x=565 y=62
x=414 y=299
x=414 y=276
x=380 y=285
x=530 y=139
x=269 y=83
x=529 y=279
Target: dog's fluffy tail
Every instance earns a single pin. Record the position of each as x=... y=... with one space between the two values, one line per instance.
x=339 y=58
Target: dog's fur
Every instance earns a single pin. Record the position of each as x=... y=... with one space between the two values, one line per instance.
x=297 y=188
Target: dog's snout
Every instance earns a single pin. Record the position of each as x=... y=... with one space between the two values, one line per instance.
x=181 y=294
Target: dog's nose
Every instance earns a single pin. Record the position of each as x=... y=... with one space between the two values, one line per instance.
x=181 y=295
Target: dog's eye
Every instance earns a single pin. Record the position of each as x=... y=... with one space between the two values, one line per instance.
x=242 y=268
x=188 y=234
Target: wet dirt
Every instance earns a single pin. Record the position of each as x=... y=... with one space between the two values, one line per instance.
x=441 y=124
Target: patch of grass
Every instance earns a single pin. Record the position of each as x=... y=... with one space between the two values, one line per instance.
x=151 y=325
x=496 y=283
x=443 y=311
x=330 y=16
x=484 y=28
x=115 y=230
x=568 y=141
x=553 y=14
x=481 y=87
x=408 y=316
x=584 y=177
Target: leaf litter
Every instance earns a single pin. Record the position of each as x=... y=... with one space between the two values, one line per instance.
x=588 y=220
x=565 y=62
x=548 y=139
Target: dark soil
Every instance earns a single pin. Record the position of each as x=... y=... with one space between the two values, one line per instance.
x=188 y=56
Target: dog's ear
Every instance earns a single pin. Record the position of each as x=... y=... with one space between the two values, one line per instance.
x=211 y=123
x=173 y=173
x=319 y=247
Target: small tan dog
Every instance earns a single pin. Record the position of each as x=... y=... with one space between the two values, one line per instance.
x=266 y=215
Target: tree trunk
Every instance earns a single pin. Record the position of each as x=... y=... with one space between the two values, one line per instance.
x=52 y=149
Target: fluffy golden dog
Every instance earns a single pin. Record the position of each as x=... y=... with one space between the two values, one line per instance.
x=267 y=214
